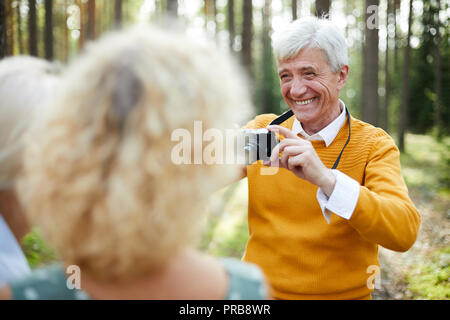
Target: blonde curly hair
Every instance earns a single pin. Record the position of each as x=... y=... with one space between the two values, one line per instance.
x=98 y=177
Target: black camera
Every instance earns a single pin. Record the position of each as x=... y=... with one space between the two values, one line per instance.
x=258 y=144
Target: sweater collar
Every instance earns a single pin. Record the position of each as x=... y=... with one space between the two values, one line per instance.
x=327 y=134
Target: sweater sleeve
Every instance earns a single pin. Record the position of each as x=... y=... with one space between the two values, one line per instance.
x=384 y=213
x=260 y=121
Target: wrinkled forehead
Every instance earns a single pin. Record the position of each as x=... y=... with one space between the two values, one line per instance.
x=307 y=58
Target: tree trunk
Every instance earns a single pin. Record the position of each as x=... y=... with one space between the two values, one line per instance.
x=370 y=69
x=214 y=12
x=159 y=7
x=82 y=31
x=266 y=61
x=32 y=28
x=294 y=9
x=10 y=27
x=403 y=116
x=66 y=34
x=205 y=12
x=247 y=34
x=322 y=8
x=117 y=14
x=384 y=122
x=172 y=8
x=49 y=29
x=19 y=27
x=210 y=15
x=438 y=74
x=3 y=48
x=91 y=20
x=100 y=8
x=231 y=30
x=125 y=8
x=347 y=11
x=396 y=8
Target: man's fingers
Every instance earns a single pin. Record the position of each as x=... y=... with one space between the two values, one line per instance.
x=294 y=150
x=297 y=161
x=278 y=148
x=286 y=143
x=282 y=130
x=291 y=151
x=276 y=163
x=283 y=160
x=293 y=142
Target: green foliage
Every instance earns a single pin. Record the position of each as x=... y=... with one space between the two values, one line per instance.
x=36 y=250
x=351 y=94
x=227 y=231
x=426 y=169
x=422 y=91
x=426 y=166
x=231 y=243
x=268 y=96
x=430 y=279
x=445 y=178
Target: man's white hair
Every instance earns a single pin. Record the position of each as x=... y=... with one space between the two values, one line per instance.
x=311 y=32
x=24 y=83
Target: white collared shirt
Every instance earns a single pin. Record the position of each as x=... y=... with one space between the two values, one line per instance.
x=344 y=197
x=327 y=134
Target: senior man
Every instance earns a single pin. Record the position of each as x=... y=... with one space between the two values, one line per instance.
x=315 y=225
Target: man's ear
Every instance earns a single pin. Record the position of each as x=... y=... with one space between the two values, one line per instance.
x=342 y=73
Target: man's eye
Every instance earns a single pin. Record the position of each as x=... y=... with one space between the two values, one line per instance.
x=309 y=74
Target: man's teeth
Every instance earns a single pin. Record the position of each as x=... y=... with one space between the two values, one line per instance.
x=304 y=101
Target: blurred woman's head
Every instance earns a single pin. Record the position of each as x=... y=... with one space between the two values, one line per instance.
x=99 y=179
x=24 y=83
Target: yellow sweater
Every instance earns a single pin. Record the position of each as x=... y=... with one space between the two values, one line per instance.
x=303 y=256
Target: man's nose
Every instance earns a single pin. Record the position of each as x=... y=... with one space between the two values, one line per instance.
x=298 y=88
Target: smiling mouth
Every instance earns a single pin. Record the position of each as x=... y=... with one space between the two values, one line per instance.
x=303 y=102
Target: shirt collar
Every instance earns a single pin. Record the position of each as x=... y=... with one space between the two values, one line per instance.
x=327 y=134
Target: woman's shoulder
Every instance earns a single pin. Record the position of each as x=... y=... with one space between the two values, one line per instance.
x=46 y=283
x=246 y=280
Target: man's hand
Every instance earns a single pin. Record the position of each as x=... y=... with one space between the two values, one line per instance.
x=300 y=157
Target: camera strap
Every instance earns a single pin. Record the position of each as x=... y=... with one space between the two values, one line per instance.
x=336 y=163
x=279 y=120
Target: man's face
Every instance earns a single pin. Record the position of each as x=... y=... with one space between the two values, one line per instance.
x=311 y=88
